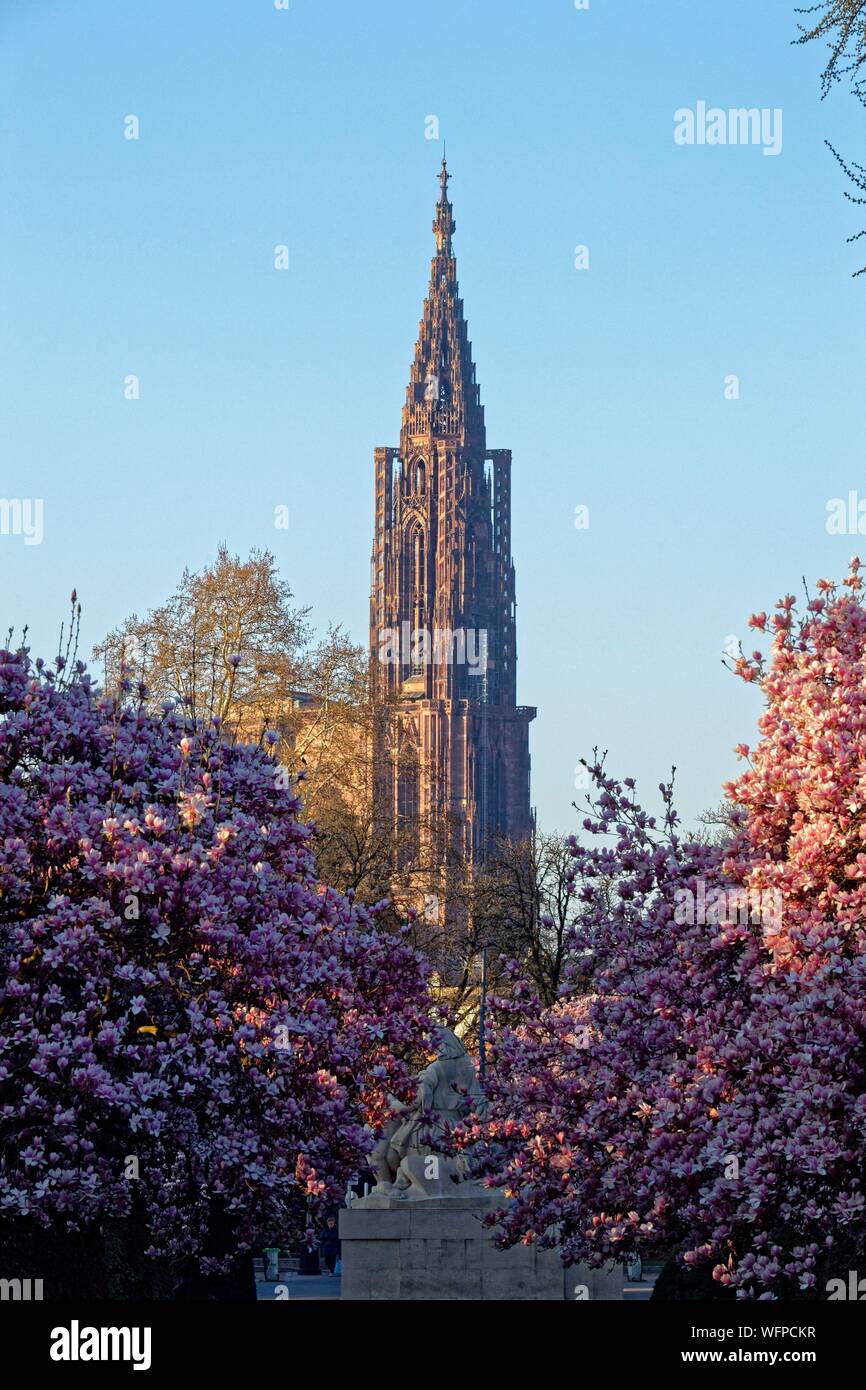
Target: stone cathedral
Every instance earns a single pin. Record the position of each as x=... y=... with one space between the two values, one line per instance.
x=455 y=746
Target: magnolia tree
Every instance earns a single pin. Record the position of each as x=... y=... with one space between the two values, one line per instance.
x=706 y=1092
x=190 y=1022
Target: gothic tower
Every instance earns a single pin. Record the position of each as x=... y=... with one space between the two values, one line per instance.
x=442 y=622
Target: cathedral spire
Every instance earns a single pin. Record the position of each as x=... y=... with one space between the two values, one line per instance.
x=443 y=399
x=451 y=757
x=443 y=224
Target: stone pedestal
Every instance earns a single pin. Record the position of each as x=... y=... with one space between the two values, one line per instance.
x=435 y=1248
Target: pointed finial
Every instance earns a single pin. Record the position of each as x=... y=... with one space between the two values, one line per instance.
x=444 y=176
x=443 y=223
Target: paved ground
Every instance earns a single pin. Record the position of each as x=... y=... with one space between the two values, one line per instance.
x=637 y=1291
x=302 y=1286
x=311 y=1286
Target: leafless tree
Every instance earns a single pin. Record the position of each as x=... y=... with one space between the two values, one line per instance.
x=228 y=642
x=842 y=23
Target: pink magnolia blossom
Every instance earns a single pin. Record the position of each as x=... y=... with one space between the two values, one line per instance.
x=708 y=1094
x=175 y=983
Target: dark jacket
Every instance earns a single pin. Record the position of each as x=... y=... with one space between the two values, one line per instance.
x=329 y=1241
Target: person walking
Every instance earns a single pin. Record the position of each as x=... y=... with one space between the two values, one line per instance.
x=329 y=1244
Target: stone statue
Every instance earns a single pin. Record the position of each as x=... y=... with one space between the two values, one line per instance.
x=424 y=1232
x=405 y=1159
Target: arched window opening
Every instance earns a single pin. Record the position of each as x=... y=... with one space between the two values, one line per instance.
x=417 y=597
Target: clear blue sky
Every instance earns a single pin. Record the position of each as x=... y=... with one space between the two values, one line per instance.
x=260 y=387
